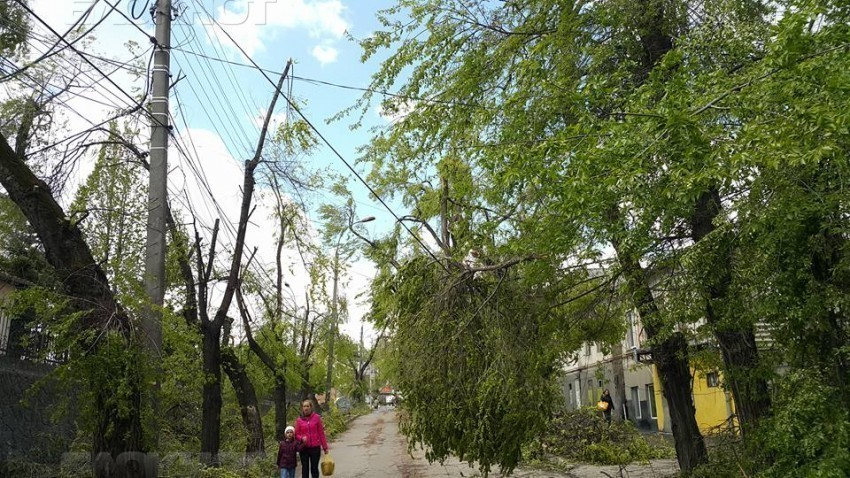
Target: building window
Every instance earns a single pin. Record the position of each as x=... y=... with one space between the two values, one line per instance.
x=650 y=397
x=636 y=402
x=587 y=349
x=712 y=379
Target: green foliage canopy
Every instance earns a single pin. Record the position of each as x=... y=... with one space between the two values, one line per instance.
x=542 y=118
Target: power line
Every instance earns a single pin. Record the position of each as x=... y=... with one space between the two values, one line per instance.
x=250 y=112
x=36 y=36
x=133 y=23
x=213 y=40
x=137 y=106
x=50 y=52
x=84 y=57
x=200 y=176
x=141 y=12
x=46 y=87
x=335 y=85
x=325 y=140
x=216 y=88
x=99 y=125
x=197 y=168
x=229 y=131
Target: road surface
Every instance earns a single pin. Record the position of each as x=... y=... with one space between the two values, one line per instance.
x=373 y=447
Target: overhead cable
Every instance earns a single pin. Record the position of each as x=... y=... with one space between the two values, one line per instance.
x=324 y=139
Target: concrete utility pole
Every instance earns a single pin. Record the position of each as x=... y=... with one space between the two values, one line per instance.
x=155 y=245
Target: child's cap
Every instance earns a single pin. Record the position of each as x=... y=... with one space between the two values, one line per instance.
x=289 y=429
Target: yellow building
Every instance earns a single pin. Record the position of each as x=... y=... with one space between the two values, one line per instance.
x=713 y=405
x=626 y=369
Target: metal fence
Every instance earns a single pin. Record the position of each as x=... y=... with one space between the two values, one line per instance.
x=29 y=343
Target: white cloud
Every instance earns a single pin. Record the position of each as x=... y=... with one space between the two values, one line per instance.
x=253 y=22
x=325 y=54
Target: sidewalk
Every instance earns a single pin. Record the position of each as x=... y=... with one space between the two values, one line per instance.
x=372 y=447
x=654 y=469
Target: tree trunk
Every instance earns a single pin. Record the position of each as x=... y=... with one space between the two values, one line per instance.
x=247 y=398
x=737 y=340
x=445 y=235
x=670 y=353
x=359 y=388
x=307 y=391
x=670 y=356
x=834 y=357
x=211 y=414
x=280 y=407
x=619 y=380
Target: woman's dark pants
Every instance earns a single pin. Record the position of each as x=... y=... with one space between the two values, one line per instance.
x=310 y=461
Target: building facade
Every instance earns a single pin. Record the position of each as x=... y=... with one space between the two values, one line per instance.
x=626 y=370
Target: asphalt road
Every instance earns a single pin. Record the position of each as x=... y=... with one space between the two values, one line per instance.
x=373 y=447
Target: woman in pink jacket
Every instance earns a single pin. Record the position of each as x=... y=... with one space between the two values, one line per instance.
x=310 y=430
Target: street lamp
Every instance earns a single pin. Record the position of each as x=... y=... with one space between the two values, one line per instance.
x=329 y=378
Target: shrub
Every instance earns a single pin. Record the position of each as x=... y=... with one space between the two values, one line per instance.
x=584 y=436
x=809 y=432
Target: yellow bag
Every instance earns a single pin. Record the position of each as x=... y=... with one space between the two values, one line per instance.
x=327 y=465
x=602 y=405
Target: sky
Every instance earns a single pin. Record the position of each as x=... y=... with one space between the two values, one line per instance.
x=217 y=106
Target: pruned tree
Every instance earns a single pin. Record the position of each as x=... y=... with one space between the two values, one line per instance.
x=216 y=356
x=360 y=361
x=292 y=139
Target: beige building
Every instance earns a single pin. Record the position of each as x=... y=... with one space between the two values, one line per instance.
x=621 y=369
x=626 y=370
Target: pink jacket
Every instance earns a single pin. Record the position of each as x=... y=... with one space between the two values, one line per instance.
x=312 y=431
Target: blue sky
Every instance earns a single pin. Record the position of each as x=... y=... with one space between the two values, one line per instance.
x=312 y=33
x=216 y=106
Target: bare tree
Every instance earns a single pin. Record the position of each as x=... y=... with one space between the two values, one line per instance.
x=215 y=329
